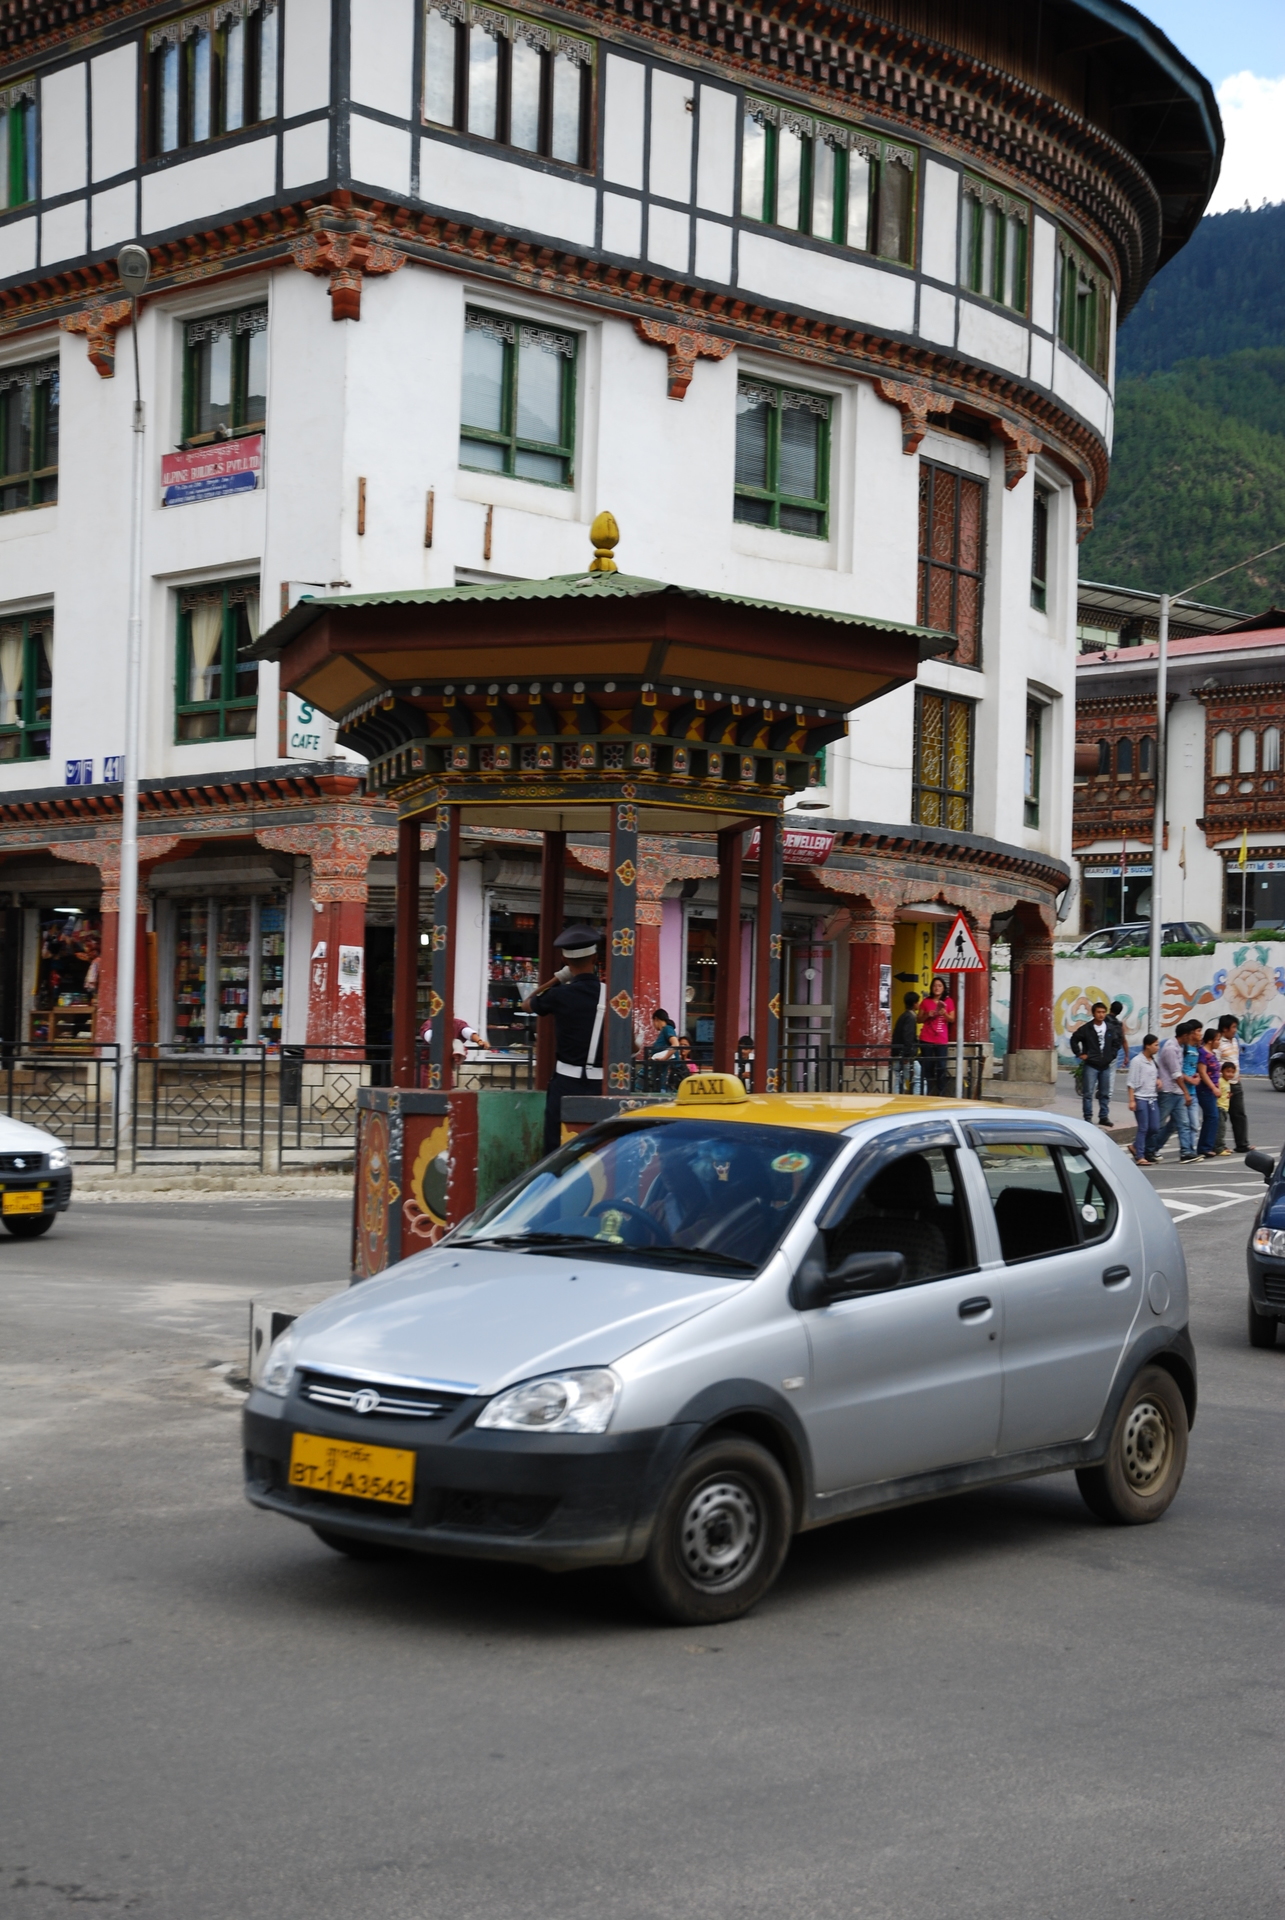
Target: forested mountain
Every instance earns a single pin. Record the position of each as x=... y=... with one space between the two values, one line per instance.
x=1198 y=472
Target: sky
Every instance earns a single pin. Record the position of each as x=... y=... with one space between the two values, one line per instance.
x=1240 y=46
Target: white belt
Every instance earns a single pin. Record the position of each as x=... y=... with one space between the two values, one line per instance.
x=574 y=1073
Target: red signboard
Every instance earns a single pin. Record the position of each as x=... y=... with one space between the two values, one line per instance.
x=803 y=847
x=202 y=473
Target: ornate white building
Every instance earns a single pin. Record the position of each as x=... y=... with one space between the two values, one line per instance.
x=821 y=306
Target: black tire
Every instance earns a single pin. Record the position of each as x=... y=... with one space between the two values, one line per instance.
x=1276 y=1074
x=1146 y=1455
x=28 y=1226
x=355 y=1548
x=721 y=1535
x=1262 y=1327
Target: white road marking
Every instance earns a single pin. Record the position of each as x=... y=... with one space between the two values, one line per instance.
x=1175 y=1198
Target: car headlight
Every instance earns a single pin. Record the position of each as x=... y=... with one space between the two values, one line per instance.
x=59 y=1159
x=276 y=1374
x=559 y=1403
x=1271 y=1241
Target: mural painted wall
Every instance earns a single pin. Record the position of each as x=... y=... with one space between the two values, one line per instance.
x=1246 y=978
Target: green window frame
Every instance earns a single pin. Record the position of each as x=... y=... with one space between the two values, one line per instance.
x=996 y=244
x=1083 y=307
x=225 y=375
x=29 y=413
x=518 y=400
x=212 y=73
x=942 y=794
x=17 y=144
x=216 y=693
x=498 y=76
x=782 y=458
x=834 y=182
x=26 y=685
x=1032 y=755
x=1040 y=550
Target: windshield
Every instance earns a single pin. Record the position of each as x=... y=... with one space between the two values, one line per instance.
x=695 y=1191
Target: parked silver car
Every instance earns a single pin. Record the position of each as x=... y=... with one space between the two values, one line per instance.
x=703 y=1327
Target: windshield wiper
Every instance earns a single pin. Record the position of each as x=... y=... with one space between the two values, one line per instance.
x=544 y=1241
x=530 y=1240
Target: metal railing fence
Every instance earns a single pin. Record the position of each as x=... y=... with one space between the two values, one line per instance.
x=70 y=1092
x=203 y=1103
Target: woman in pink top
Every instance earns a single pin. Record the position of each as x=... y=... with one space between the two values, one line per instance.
x=936 y=1016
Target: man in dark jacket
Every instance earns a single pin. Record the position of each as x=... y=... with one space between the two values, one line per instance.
x=576 y=1000
x=905 y=1049
x=1095 y=1045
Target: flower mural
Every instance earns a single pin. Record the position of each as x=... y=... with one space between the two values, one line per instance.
x=1238 y=977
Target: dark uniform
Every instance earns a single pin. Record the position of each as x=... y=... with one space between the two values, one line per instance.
x=574 y=1005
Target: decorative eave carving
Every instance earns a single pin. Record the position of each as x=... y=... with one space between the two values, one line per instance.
x=99 y=322
x=914 y=403
x=1019 y=445
x=685 y=346
x=346 y=243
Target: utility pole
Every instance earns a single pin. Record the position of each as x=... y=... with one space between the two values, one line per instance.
x=134 y=267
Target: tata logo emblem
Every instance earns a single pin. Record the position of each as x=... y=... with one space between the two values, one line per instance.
x=365 y=1401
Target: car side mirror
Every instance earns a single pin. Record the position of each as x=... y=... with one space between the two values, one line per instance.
x=1261 y=1163
x=816 y=1285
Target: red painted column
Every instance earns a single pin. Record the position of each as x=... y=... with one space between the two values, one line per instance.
x=337 y=977
x=1036 y=1030
x=727 y=983
x=553 y=892
x=406 y=953
x=646 y=966
x=867 y=1024
x=977 y=1005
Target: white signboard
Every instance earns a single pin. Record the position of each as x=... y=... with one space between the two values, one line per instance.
x=959 y=951
x=308 y=733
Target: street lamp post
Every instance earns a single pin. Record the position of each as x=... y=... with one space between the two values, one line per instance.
x=134 y=266
x=1168 y=601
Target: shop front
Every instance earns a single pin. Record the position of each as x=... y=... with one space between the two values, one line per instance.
x=65 y=995
x=225 y=968
x=1111 y=897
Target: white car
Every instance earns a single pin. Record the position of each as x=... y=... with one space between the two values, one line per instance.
x=35 y=1178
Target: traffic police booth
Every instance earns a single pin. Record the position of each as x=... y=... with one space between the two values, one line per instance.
x=601 y=702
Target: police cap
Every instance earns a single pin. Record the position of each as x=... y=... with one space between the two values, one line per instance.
x=578 y=943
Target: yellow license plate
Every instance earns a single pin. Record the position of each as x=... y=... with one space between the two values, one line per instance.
x=343 y=1466
x=32 y=1201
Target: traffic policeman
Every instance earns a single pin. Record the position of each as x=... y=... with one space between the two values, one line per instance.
x=576 y=1001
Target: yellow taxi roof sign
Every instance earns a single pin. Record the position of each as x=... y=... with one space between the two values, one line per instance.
x=707 y=1088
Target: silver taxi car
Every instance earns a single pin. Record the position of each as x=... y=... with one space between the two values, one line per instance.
x=703 y=1327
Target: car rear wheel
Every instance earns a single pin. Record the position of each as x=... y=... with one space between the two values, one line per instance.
x=28 y=1226
x=354 y=1547
x=1146 y=1456
x=721 y=1535
x=1262 y=1327
x=1276 y=1074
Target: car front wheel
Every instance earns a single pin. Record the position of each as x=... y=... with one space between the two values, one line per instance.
x=1276 y=1074
x=721 y=1535
x=1262 y=1327
x=1146 y=1456
x=28 y=1226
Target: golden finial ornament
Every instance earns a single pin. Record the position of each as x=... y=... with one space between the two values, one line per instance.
x=605 y=534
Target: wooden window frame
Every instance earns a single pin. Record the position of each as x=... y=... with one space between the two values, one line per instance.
x=33 y=725
x=1033 y=759
x=772 y=494
x=234 y=594
x=942 y=792
x=195 y=333
x=179 y=36
x=40 y=476
x=17 y=144
x=509 y=28
x=931 y=474
x=507 y=328
x=1083 y=324
x=979 y=197
x=882 y=154
x=1041 y=514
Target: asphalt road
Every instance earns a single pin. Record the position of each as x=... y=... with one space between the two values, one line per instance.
x=989 y=1706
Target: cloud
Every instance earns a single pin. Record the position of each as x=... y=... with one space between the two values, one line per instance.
x=1253 y=112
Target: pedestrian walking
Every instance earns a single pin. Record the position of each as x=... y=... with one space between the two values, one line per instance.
x=1178 y=1107
x=1228 y=1075
x=1227 y=1047
x=1095 y=1045
x=576 y=1001
x=1143 y=1084
x=1207 y=1093
x=935 y=1016
x=906 y=1075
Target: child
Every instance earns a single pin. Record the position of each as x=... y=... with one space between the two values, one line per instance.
x=1229 y=1074
x=1144 y=1100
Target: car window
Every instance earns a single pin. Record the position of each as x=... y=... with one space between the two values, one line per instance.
x=912 y=1205
x=1042 y=1207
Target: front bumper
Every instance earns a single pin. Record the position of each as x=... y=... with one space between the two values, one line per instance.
x=1267 y=1284
x=555 y=1501
x=55 y=1188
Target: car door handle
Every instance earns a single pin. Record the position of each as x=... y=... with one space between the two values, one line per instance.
x=970 y=1309
x=1115 y=1276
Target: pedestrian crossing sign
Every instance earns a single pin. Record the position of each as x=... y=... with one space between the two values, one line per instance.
x=959 y=951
